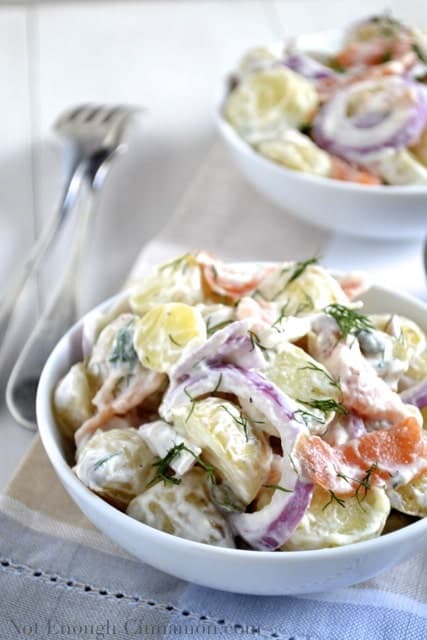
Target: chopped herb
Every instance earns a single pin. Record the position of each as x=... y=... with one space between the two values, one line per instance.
x=299 y=269
x=218 y=384
x=325 y=405
x=348 y=320
x=336 y=66
x=277 y=486
x=216 y=327
x=225 y=498
x=334 y=498
x=192 y=407
x=172 y=339
x=104 y=460
x=282 y=315
x=305 y=306
x=255 y=342
x=313 y=367
x=165 y=473
x=421 y=55
x=365 y=484
x=306 y=415
x=240 y=420
x=174 y=264
x=293 y=465
x=123 y=349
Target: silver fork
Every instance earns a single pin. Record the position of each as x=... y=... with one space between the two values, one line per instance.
x=94 y=134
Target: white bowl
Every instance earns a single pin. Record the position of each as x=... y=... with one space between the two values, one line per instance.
x=254 y=572
x=369 y=211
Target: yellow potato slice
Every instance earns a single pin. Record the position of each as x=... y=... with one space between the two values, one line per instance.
x=299 y=290
x=411 y=498
x=304 y=379
x=176 y=281
x=268 y=99
x=183 y=509
x=240 y=454
x=115 y=464
x=164 y=331
x=329 y=523
x=296 y=151
x=72 y=400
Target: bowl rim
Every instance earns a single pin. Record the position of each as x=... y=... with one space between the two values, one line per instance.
x=48 y=426
x=231 y=135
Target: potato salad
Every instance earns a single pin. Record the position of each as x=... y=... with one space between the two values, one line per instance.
x=253 y=405
x=358 y=115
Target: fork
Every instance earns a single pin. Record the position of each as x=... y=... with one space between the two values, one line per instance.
x=94 y=134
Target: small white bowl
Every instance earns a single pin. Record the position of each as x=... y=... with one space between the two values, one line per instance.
x=389 y=212
x=253 y=572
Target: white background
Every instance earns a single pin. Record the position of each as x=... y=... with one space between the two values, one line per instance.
x=167 y=56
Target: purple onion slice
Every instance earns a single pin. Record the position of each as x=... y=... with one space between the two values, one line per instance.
x=232 y=344
x=416 y=395
x=308 y=67
x=370 y=117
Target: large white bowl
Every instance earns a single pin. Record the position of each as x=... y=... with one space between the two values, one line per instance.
x=254 y=572
x=370 y=211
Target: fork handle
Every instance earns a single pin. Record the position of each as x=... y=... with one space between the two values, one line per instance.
x=74 y=177
x=57 y=318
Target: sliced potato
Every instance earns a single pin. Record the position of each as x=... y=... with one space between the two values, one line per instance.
x=304 y=379
x=269 y=99
x=116 y=465
x=299 y=289
x=164 y=331
x=241 y=455
x=411 y=498
x=296 y=151
x=72 y=400
x=176 y=281
x=183 y=509
x=329 y=523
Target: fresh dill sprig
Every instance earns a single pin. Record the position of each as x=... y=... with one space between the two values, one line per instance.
x=172 y=339
x=241 y=420
x=278 y=487
x=218 y=384
x=334 y=498
x=307 y=305
x=99 y=464
x=325 y=405
x=165 y=473
x=421 y=55
x=348 y=320
x=278 y=322
x=299 y=269
x=216 y=327
x=311 y=366
x=193 y=404
x=306 y=415
x=123 y=349
x=175 y=263
x=255 y=342
x=365 y=484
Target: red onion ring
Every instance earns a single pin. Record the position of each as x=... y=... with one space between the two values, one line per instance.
x=388 y=127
